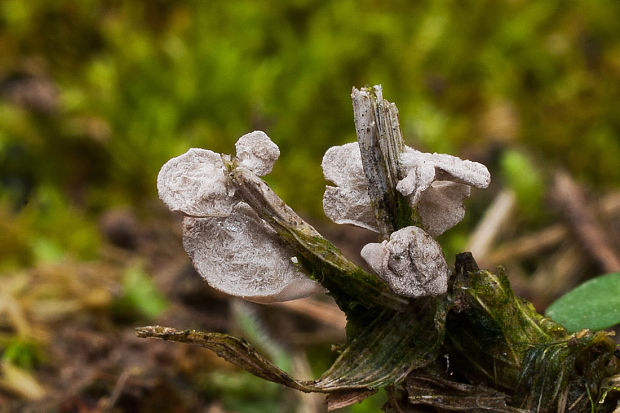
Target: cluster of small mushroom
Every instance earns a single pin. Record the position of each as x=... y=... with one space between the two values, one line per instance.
x=238 y=253
x=231 y=247
x=411 y=262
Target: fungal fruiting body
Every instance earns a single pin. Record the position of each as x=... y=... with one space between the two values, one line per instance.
x=231 y=247
x=347 y=202
x=242 y=255
x=411 y=263
x=435 y=185
x=239 y=253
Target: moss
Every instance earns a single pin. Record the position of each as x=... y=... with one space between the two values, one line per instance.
x=497 y=338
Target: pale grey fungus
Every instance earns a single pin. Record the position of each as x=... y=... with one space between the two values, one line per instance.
x=196 y=184
x=422 y=169
x=411 y=263
x=231 y=247
x=435 y=184
x=240 y=254
x=243 y=256
x=342 y=165
x=348 y=202
x=349 y=206
x=441 y=206
x=256 y=152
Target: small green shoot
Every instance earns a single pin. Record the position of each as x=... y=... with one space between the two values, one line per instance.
x=140 y=297
x=523 y=177
x=22 y=353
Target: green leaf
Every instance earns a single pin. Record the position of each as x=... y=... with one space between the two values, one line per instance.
x=595 y=304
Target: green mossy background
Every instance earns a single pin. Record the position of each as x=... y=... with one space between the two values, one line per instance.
x=122 y=86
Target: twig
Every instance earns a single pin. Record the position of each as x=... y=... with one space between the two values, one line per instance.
x=381 y=143
x=533 y=244
x=571 y=201
x=491 y=224
x=561 y=272
x=526 y=246
x=327 y=314
x=117 y=391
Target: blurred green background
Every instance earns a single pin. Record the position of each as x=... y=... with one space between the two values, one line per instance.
x=96 y=95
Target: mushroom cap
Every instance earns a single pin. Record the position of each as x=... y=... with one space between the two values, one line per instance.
x=342 y=165
x=422 y=169
x=196 y=184
x=348 y=202
x=441 y=207
x=435 y=184
x=349 y=206
x=411 y=263
x=257 y=152
x=242 y=255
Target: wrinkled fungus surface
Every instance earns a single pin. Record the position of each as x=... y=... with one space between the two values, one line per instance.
x=231 y=247
x=425 y=168
x=242 y=256
x=435 y=184
x=411 y=263
x=257 y=152
x=348 y=202
x=196 y=184
x=239 y=253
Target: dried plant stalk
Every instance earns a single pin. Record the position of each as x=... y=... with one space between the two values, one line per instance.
x=381 y=143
